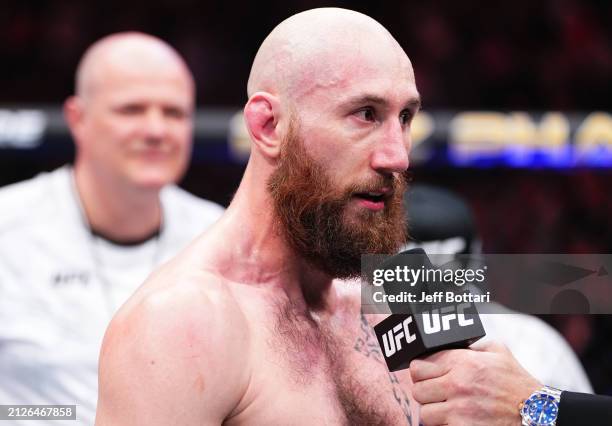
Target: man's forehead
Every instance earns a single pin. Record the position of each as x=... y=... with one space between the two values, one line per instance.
x=405 y=98
x=132 y=85
x=127 y=79
x=357 y=80
x=345 y=64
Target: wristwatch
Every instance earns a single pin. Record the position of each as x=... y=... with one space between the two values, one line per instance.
x=541 y=408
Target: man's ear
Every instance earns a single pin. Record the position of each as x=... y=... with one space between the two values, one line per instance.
x=73 y=114
x=261 y=115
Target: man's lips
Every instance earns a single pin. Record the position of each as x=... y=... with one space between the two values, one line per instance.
x=374 y=199
x=152 y=154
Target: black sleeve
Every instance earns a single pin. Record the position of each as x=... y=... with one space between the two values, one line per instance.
x=583 y=409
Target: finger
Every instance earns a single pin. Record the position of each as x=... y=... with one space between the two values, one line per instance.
x=424 y=369
x=432 y=390
x=435 y=414
x=444 y=360
x=489 y=346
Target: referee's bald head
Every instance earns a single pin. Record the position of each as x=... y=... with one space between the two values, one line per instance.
x=125 y=53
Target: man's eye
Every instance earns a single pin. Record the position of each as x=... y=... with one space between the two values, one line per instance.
x=366 y=114
x=175 y=113
x=406 y=116
x=131 y=109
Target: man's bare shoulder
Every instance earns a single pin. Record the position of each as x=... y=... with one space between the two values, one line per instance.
x=180 y=281
x=181 y=339
x=182 y=293
x=183 y=306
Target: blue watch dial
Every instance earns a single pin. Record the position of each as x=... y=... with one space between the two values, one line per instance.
x=541 y=409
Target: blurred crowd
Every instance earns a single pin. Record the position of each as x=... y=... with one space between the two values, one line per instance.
x=542 y=212
x=543 y=55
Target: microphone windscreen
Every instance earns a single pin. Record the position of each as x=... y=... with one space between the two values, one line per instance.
x=417 y=328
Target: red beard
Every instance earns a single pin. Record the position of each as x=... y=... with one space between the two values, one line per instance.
x=311 y=212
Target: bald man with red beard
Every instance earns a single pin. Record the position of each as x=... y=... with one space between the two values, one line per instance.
x=258 y=321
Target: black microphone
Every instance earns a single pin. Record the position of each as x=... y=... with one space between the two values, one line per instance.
x=427 y=323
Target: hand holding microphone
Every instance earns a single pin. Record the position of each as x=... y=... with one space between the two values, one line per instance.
x=476 y=387
x=460 y=386
x=481 y=386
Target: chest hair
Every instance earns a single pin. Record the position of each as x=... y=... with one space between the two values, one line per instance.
x=310 y=348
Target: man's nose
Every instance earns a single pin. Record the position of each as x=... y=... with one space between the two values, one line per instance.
x=391 y=153
x=155 y=125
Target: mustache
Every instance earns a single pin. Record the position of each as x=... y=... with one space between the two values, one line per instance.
x=392 y=184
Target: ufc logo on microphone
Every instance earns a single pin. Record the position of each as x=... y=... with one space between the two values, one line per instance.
x=431 y=321
x=392 y=339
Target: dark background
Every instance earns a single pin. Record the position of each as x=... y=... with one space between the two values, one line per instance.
x=551 y=55
x=468 y=55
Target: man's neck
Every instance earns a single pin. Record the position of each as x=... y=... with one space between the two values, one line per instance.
x=118 y=212
x=254 y=251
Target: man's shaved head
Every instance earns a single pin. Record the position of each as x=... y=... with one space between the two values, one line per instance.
x=122 y=53
x=313 y=49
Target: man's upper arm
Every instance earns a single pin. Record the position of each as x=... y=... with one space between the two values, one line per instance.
x=172 y=358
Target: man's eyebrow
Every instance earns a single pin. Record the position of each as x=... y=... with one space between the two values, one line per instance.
x=368 y=99
x=414 y=103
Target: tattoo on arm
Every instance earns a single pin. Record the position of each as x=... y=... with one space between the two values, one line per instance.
x=367 y=345
x=401 y=397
